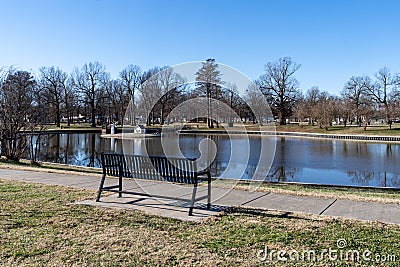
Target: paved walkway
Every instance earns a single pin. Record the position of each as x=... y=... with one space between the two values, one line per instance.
x=221 y=198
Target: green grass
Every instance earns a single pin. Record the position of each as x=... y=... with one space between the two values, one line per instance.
x=40 y=227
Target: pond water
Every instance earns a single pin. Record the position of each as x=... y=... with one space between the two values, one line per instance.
x=305 y=160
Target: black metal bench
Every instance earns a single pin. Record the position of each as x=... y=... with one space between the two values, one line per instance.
x=175 y=170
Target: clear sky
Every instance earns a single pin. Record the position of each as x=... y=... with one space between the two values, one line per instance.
x=332 y=39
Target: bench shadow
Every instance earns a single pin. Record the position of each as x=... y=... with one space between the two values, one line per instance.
x=199 y=206
x=267 y=213
x=178 y=206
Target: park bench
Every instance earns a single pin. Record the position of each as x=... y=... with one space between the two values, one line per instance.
x=156 y=168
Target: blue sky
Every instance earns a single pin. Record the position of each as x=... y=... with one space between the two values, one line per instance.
x=332 y=40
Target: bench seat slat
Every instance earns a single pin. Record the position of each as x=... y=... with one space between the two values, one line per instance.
x=155 y=196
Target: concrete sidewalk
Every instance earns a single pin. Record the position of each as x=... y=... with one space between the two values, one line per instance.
x=221 y=198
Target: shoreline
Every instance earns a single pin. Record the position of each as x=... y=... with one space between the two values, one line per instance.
x=69 y=130
x=53 y=167
x=233 y=131
x=130 y=135
x=343 y=137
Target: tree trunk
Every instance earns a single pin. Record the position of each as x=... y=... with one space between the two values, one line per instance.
x=68 y=117
x=93 y=124
x=93 y=114
x=58 y=115
x=162 y=115
x=282 y=120
x=387 y=113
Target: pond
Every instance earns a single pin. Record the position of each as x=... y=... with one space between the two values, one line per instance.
x=305 y=160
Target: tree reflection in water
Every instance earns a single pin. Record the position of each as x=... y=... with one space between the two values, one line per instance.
x=383 y=179
x=282 y=174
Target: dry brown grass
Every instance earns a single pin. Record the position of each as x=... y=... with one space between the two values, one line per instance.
x=40 y=227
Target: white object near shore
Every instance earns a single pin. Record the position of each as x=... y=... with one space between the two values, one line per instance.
x=138 y=132
x=130 y=135
x=140 y=129
x=112 y=131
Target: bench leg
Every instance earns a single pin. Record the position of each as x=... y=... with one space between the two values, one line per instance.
x=120 y=186
x=120 y=180
x=103 y=177
x=209 y=192
x=193 y=199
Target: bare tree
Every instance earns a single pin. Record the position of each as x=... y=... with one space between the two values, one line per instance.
x=208 y=79
x=16 y=102
x=302 y=110
x=52 y=82
x=104 y=103
x=280 y=87
x=118 y=99
x=344 y=109
x=394 y=107
x=131 y=80
x=149 y=92
x=257 y=104
x=324 y=110
x=232 y=94
x=39 y=116
x=70 y=99
x=384 y=89
x=231 y=97
x=89 y=81
x=355 y=92
x=319 y=107
x=312 y=96
x=169 y=84
x=305 y=105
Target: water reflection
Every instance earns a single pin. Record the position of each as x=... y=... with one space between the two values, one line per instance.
x=296 y=160
x=74 y=149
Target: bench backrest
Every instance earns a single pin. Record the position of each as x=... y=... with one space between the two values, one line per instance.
x=179 y=170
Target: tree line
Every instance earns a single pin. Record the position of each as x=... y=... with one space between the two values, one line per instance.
x=29 y=102
x=361 y=99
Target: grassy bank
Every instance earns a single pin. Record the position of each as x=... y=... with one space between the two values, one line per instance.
x=381 y=130
x=378 y=130
x=75 y=126
x=39 y=226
